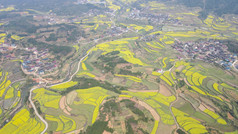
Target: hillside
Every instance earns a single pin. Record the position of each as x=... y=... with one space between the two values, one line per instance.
x=219 y=7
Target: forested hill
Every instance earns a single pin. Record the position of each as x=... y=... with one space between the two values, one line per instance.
x=218 y=7
x=60 y=7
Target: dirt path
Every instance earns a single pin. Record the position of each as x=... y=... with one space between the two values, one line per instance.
x=182 y=95
x=170 y=108
x=185 y=80
x=234 y=65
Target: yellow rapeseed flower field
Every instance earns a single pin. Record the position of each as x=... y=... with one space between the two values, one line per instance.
x=10 y=93
x=60 y=124
x=153 y=103
x=164 y=99
x=196 y=78
x=126 y=96
x=130 y=77
x=167 y=75
x=69 y=124
x=96 y=27
x=164 y=64
x=215 y=116
x=166 y=80
x=76 y=47
x=92 y=96
x=215 y=86
x=86 y=73
x=156 y=73
x=47 y=98
x=119 y=45
x=15 y=37
x=187 y=123
x=22 y=123
x=4 y=87
x=156 y=124
x=198 y=90
x=165 y=117
x=84 y=66
x=64 y=85
x=153 y=45
x=7 y=9
x=227 y=86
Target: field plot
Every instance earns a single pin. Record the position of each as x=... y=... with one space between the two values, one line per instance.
x=86 y=73
x=215 y=116
x=121 y=46
x=166 y=77
x=4 y=84
x=16 y=37
x=113 y=6
x=158 y=101
x=196 y=80
x=23 y=123
x=2 y=37
x=68 y=109
x=187 y=123
x=47 y=98
x=154 y=5
x=153 y=45
x=64 y=124
x=84 y=66
x=139 y=28
x=10 y=93
x=64 y=86
x=92 y=96
x=133 y=78
x=10 y=8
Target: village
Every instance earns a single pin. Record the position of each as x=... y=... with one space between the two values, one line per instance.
x=6 y=51
x=38 y=61
x=160 y=18
x=33 y=60
x=209 y=51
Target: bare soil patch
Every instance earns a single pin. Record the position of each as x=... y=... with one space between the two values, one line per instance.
x=230 y=116
x=165 y=129
x=202 y=107
x=102 y=78
x=164 y=90
x=180 y=68
x=64 y=106
x=123 y=65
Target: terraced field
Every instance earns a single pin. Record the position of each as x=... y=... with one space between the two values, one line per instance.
x=128 y=53
x=22 y=122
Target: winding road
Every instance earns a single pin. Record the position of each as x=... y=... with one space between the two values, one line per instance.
x=36 y=112
x=38 y=86
x=71 y=77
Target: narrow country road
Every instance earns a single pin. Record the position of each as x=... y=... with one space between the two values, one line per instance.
x=234 y=65
x=71 y=77
x=36 y=112
x=170 y=108
x=30 y=96
x=36 y=87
